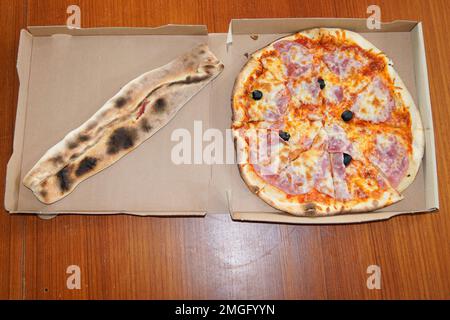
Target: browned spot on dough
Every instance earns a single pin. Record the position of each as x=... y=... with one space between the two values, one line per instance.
x=145 y=126
x=201 y=51
x=120 y=102
x=246 y=55
x=310 y=209
x=160 y=105
x=74 y=156
x=57 y=159
x=254 y=189
x=254 y=37
x=83 y=138
x=44 y=184
x=43 y=194
x=86 y=165
x=190 y=79
x=121 y=139
x=63 y=176
x=72 y=145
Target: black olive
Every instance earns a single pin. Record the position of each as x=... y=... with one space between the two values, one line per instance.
x=347 y=159
x=284 y=135
x=321 y=83
x=257 y=95
x=347 y=115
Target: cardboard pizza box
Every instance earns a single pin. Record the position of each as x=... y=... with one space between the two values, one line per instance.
x=403 y=42
x=67 y=74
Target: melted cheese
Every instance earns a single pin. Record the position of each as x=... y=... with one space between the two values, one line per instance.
x=305 y=91
x=375 y=103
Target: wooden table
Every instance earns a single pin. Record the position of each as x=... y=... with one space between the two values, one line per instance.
x=135 y=257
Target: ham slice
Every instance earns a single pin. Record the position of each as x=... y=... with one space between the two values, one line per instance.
x=343 y=63
x=340 y=184
x=391 y=158
x=297 y=58
x=337 y=139
x=310 y=170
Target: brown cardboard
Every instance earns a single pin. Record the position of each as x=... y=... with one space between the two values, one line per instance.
x=65 y=80
x=290 y=25
x=82 y=68
x=403 y=43
x=170 y=29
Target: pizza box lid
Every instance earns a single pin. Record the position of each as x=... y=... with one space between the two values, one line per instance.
x=79 y=69
x=65 y=76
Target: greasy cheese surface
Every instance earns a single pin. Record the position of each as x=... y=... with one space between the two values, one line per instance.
x=307 y=84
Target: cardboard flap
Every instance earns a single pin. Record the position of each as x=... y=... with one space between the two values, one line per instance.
x=49 y=216
x=424 y=105
x=292 y=25
x=70 y=77
x=169 y=29
x=282 y=217
x=52 y=214
x=14 y=163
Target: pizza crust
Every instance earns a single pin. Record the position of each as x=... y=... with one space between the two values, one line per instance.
x=254 y=182
x=356 y=38
x=280 y=201
x=238 y=115
x=133 y=115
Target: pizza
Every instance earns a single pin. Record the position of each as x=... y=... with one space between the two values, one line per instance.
x=323 y=125
x=133 y=115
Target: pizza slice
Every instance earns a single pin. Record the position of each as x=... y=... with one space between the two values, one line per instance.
x=359 y=186
x=266 y=99
x=388 y=148
x=275 y=141
x=133 y=115
x=294 y=176
x=304 y=187
x=261 y=146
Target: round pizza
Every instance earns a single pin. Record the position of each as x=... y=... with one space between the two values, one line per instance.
x=323 y=124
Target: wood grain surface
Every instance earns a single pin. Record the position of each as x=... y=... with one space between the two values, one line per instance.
x=134 y=257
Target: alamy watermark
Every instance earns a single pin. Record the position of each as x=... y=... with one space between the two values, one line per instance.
x=374 y=279
x=214 y=146
x=74 y=279
x=374 y=20
x=74 y=20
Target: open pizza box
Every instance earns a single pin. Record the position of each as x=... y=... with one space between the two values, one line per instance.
x=67 y=74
